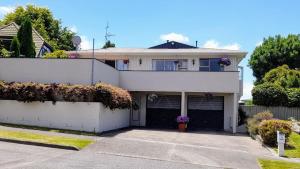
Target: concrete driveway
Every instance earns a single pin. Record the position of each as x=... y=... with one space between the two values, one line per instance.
x=142 y=148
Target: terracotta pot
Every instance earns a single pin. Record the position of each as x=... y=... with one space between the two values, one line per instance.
x=182 y=127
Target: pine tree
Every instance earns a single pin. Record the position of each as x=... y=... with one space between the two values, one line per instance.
x=15 y=48
x=27 y=47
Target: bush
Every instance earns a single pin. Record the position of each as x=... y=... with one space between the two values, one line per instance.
x=293 y=97
x=61 y=54
x=4 y=53
x=111 y=96
x=269 y=95
x=268 y=130
x=253 y=123
x=283 y=76
x=15 y=48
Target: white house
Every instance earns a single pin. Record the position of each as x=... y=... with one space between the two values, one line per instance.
x=174 y=79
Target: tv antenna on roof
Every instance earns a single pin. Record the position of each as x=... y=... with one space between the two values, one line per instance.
x=107 y=34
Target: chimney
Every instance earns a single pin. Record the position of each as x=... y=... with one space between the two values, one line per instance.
x=196 y=43
x=167 y=41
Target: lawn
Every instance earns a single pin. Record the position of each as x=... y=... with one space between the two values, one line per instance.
x=41 y=138
x=275 y=164
x=293 y=149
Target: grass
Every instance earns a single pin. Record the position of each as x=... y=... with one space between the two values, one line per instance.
x=275 y=164
x=293 y=148
x=41 y=138
x=49 y=129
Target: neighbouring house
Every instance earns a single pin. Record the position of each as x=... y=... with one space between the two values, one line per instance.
x=174 y=79
x=7 y=32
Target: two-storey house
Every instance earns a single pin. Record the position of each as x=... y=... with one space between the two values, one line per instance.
x=174 y=79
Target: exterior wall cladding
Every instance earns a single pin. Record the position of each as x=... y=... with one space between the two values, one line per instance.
x=139 y=76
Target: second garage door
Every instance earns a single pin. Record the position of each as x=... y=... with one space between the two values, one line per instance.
x=206 y=112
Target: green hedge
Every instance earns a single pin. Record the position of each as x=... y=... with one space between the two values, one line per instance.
x=293 y=97
x=111 y=96
x=268 y=130
x=268 y=94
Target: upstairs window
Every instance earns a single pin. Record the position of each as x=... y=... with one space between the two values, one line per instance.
x=210 y=65
x=169 y=65
x=122 y=64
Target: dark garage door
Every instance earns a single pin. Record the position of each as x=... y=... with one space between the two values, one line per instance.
x=206 y=112
x=163 y=111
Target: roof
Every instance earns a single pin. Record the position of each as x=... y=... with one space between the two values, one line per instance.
x=12 y=28
x=145 y=51
x=172 y=45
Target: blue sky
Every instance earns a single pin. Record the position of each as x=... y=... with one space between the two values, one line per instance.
x=213 y=23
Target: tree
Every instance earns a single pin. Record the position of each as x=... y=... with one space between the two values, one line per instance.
x=15 y=48
x=283 y=76
x=45 y=24
x=274 y=52
x=27 y=47
x=108 y=44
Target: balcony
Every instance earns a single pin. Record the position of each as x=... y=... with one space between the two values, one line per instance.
x=219 y=82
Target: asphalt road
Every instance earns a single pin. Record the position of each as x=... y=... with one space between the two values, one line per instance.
x=145 y=149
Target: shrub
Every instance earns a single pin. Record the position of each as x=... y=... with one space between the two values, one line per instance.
x=253 y=123
x=293 y=97
x=61 y=54
x=283 y=76
x=27 y=46
x=15 y=48
x=269 y=95
x=111 y=96
x=268 y=130
x=4 y=53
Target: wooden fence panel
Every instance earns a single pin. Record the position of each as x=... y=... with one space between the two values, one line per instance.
x=279 y=112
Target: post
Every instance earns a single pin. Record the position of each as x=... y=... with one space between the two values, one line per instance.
x=92 y=74
x=182 y=104
x=234 y=113
x=280 y=143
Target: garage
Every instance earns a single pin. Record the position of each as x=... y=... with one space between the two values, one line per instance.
x=162 y=111
x=206 y=112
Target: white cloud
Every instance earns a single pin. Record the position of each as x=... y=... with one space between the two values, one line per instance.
x=85 y=43
x=174 y=37
x=73 y=29
x=6 y=9
x=247 y=87
x=215 y=44
x=259 y=43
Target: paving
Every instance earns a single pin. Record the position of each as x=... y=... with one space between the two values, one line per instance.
x=143 y=148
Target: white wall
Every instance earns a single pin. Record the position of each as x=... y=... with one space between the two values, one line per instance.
x=82 y=116
x=105 y=73
x=134 y=63
x=218 y=82
x=75 y=71
x=113 y=119
x=63 y=115
x=228 y=112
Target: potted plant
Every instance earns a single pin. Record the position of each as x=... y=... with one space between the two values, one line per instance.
x=224 y=61
x=182 y=123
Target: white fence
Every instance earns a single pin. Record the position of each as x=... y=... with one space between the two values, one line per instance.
x=279 y=112
x=82 y=116
x=74 y=71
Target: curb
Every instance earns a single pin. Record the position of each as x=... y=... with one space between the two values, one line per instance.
x=39 y=144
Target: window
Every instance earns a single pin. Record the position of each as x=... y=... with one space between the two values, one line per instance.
x=122 y=64
x=169 y=65
x=210 y=65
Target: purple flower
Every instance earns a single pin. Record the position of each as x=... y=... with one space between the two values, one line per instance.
x=225 y=61
x=183 y=119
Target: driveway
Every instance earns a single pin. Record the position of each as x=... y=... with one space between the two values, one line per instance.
x=142 y=148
